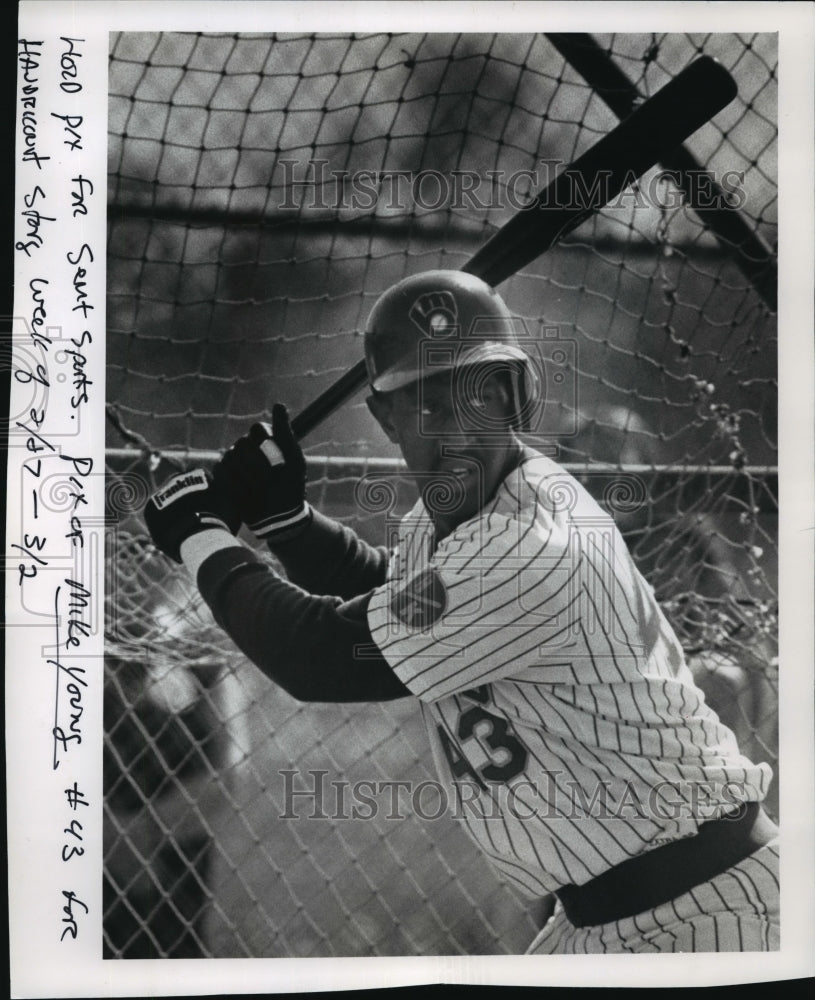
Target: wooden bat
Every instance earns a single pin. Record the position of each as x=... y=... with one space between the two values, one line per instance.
x=639 y=142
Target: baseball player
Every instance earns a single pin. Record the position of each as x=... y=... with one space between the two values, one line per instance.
x=564 y=722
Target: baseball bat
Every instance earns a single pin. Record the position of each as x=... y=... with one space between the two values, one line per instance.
x=639 y=142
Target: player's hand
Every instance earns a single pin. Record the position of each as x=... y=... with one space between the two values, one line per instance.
x=264 y=475
x=186 y=504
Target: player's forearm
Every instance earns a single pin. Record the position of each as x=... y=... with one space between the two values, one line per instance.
x=328 y=558
x=315 y=648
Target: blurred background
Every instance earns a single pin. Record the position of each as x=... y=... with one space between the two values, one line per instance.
x=263 y=191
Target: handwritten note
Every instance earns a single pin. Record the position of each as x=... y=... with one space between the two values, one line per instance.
x=56 y=462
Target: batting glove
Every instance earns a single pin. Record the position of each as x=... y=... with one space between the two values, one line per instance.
x=264 y=475
x=186 y=504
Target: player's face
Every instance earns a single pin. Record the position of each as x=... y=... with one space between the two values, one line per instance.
x=454 y=431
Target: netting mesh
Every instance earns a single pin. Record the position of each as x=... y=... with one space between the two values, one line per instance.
x=264 y=190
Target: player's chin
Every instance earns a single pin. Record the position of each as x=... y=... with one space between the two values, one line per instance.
x=454 y=494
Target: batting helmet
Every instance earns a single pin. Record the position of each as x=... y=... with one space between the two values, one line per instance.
x=441 y=320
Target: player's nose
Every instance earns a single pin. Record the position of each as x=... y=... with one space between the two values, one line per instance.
x=456 y=436
x=467 y=429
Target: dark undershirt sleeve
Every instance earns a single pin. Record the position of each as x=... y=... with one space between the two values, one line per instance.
x=328 y=558
x=315 y=648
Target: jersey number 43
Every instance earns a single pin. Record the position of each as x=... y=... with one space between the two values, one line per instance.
x=507 y=755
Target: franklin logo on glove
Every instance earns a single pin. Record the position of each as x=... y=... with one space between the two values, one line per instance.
x=186 y=505
x=181 y=486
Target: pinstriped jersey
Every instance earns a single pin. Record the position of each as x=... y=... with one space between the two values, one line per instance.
x=566 y=727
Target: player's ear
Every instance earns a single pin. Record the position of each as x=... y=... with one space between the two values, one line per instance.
x=382 y=410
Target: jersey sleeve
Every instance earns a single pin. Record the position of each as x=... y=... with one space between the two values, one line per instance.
x=494 y=600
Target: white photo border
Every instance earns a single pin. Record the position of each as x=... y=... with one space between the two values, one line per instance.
x=37 y=806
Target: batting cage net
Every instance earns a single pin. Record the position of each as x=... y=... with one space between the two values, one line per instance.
x=264 y=190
